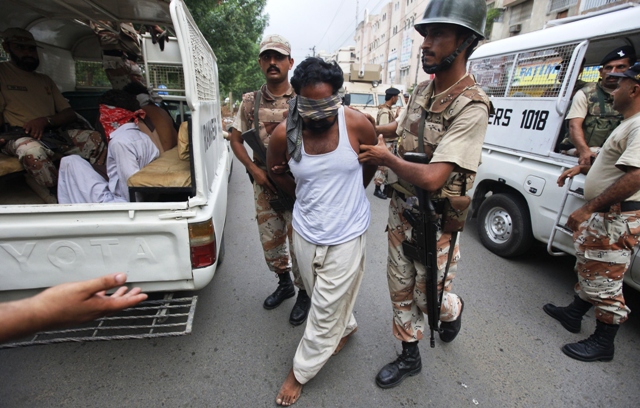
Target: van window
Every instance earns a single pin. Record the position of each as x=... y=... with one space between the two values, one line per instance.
x=91 y=75
x=362 y=99
x=536 y=73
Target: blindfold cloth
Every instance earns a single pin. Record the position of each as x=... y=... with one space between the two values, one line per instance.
x=111 y=118
x=314 y=109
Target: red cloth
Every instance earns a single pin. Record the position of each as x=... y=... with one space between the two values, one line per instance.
x=112 y=118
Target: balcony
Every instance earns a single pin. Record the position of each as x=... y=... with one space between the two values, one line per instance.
x=594 y=4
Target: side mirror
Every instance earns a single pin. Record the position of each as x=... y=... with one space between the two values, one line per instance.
x=346 y=100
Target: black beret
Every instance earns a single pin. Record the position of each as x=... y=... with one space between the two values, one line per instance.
x=392 y=92
x=625 y=51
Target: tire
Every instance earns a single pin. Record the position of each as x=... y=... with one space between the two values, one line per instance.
x=504 y=225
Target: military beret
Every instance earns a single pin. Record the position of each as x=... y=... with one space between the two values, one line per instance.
x=625 y=51
x=633 y=73
x=392 y=92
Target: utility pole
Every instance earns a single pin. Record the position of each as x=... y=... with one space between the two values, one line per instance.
x=314 y=50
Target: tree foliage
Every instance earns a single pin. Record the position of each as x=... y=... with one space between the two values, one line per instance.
x=233 y=29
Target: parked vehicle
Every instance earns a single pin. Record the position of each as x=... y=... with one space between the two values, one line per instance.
x=364 y=91
x=529 y=79
x=170 y=236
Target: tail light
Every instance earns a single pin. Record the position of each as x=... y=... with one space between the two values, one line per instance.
x=202 y=239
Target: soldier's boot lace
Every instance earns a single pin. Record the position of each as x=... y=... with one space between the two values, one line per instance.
x=284 y=291
x=598 y=346
x=570 y=316
x=407 y=364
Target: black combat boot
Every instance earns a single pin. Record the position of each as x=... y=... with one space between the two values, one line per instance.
x=449 y=330
x=300 y=310
x=598 y=346
x=407 y=364
x=378 y=193
x=570 y=316
x=285 y=290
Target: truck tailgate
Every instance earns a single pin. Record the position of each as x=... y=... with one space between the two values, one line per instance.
x=42 y=249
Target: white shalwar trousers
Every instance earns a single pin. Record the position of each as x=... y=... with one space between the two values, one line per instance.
x=332 y=275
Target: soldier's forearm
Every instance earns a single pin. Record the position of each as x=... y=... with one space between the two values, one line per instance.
x=619 y=191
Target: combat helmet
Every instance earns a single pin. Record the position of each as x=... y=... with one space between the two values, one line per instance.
x=471 y=14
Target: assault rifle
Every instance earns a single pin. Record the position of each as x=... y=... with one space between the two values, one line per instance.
x=423 y=249
x=283 y=202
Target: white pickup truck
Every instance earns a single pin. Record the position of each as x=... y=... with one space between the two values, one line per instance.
x=529 y=78
x=169 y=237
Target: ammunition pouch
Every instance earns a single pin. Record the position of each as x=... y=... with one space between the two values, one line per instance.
x=454 y=213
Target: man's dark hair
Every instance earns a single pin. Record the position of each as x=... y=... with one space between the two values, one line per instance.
x=313 y=71
x=135 y=88
x=463 y=32
x=120 y=99
x=388 y=97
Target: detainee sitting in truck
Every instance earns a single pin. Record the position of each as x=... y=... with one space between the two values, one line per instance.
x=37 y=120
x=591 y=116
x=129 y=150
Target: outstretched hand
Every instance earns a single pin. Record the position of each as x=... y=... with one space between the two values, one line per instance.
x=79 y=302
x=570 y=173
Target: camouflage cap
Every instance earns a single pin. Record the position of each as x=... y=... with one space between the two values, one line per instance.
x=633 y=73
x=15 y=35
x=277 y=43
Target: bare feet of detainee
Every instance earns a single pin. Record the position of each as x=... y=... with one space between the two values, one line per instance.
x=343 y=341
x=290 y=391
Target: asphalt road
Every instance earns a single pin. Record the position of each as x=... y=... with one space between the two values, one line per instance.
x=507 y=354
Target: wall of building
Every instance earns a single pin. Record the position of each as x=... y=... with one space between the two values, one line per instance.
x=388 y=37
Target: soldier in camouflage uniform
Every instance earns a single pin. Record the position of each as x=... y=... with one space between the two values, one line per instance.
x=606 y=228
x=450 y=115
x=592 y=117
x=274 y=226
x=385 y=115
x=31 y=104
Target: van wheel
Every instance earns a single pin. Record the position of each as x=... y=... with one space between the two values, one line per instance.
x=504 y=225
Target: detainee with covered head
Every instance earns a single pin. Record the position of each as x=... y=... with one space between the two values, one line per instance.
x=320 y=142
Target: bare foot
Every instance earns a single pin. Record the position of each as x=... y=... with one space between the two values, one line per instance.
x=343 y=341
x=290 y=391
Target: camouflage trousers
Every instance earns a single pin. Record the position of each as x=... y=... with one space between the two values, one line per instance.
x=407 y=278
x=38 y=160
x=604 y=246
x=275 y=228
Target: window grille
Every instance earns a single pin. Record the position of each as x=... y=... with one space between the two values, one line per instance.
x=536 y=73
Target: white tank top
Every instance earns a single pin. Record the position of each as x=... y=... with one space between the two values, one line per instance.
x=331 y=206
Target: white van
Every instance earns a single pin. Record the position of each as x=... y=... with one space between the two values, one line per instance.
x=529 y=79
x=169 y=237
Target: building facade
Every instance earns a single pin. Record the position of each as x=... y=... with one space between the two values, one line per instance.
x=389 y=39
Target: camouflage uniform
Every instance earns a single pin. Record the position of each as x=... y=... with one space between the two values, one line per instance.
x=604 y=246
x=406 y=278
x=120 y=52
x=385 y=115
x=38 y=160
x=598 y=124
x=274 y=226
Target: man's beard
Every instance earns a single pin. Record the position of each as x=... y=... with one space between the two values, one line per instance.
x=319 y=126
x=25 y=63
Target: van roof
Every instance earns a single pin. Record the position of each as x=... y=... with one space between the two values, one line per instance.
x=598 y=26
x=60 y=23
